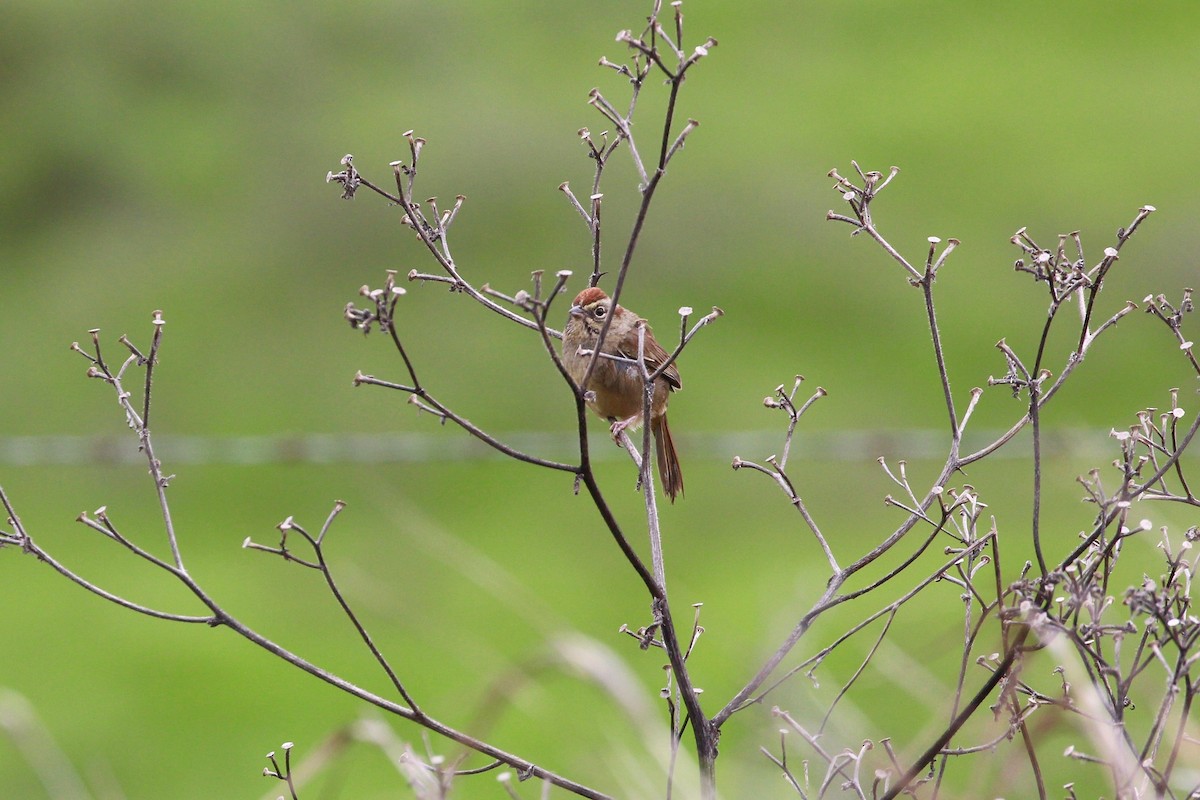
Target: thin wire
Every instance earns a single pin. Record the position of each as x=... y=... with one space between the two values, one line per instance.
x=420 y=447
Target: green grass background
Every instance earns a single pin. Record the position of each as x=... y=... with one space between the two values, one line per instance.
x=172 y=156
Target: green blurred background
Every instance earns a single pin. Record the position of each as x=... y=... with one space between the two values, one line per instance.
x=172 y=156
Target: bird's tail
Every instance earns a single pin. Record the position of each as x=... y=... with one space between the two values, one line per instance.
x=668 y=459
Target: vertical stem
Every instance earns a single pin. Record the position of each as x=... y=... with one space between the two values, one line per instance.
x=940 y=356
x=1189 y=694
x=160 y=480
x=1034 y=764
x=647 y=474
x=1036 y=424
x=1035 y=421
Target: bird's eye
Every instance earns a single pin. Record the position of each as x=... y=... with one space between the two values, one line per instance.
x=599 y=311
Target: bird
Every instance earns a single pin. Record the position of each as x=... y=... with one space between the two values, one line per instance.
x=615 y=390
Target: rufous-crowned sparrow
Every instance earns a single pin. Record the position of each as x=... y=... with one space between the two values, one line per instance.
x=616 y=386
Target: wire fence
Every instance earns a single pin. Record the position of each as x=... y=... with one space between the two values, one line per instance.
x=329 y=448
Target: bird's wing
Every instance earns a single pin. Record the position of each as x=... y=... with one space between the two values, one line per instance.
x=655 y=356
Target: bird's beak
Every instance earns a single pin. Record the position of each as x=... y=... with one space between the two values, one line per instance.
x=576 y=311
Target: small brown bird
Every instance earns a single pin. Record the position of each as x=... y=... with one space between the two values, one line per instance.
x=617 y=385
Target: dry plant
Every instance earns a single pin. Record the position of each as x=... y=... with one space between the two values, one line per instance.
x=1115 y=635
x=1064 y=602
